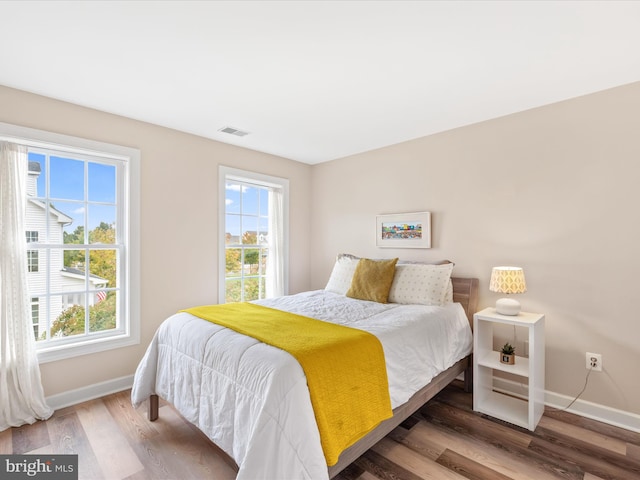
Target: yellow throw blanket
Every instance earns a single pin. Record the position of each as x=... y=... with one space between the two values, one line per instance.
x=345 y=367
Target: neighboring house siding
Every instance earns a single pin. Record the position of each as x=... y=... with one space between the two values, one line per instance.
x=32 y=183
x=60 y=283
x=36 y=221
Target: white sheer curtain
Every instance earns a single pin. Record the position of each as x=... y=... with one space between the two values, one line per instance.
x=275 y=260
x=21 y=395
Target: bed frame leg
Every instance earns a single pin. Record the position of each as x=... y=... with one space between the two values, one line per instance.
x=153 y=408
x=468 y=376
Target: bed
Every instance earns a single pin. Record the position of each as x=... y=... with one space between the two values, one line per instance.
x=252 y=400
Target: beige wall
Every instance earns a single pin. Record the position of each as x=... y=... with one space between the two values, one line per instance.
x=179 y=219
x=554 y=190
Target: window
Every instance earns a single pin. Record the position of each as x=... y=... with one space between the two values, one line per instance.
x=32 y=260
x=253 y=228
x=82 y=236
x=35 y=316
x=32 y=255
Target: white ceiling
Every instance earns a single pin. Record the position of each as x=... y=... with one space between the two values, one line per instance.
x=315 y=81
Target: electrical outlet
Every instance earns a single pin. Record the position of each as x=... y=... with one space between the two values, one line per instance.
x=594 y=361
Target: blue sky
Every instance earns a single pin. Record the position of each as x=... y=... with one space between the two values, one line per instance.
x=252 y=202
x=67 y=189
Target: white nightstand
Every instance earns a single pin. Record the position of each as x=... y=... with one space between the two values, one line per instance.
x=524 y=413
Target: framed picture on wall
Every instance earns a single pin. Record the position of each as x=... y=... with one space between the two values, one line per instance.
x=404 y=230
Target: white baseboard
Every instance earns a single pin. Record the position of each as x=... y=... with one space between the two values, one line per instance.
x=601 y=413
x=96 y=390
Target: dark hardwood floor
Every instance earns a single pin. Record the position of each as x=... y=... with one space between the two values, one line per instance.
x=444 y=440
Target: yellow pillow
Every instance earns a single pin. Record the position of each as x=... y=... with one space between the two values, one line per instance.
x=372 y=280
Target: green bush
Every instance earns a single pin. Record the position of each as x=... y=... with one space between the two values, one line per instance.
x=102 y=316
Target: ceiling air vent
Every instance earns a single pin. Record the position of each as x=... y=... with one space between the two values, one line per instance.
x=233 y=131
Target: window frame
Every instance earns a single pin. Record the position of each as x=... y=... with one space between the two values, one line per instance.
x=226 y=174
x=130 y=212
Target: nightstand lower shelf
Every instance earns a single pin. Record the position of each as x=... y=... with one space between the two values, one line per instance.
x=509 y=409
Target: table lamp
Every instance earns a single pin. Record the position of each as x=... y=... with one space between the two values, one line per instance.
x=507 y=280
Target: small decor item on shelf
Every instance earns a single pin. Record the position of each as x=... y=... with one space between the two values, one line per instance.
x=507 y=354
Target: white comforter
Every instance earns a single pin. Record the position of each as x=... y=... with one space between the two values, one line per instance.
x=252 y=399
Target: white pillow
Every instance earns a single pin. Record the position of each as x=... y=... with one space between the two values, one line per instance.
x=342 y=273
x=448 y=296
x=421 y=284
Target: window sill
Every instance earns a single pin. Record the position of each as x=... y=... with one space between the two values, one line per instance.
x=61 y=352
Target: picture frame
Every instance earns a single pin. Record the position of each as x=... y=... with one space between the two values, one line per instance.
x=404 y=230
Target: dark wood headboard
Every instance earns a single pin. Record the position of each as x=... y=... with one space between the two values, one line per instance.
x=465 y=292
